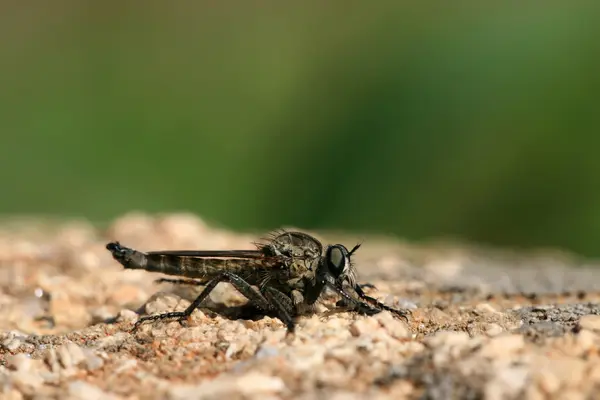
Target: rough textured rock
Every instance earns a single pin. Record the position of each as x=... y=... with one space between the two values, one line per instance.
x=485 y=323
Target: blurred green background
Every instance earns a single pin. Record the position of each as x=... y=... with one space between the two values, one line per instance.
x=463 y=119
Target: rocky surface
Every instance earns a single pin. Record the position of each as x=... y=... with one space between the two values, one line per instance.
x=485 y=324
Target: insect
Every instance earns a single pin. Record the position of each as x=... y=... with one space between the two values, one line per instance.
x=286 y=274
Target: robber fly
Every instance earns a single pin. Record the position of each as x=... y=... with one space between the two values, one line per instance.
x=285 y=275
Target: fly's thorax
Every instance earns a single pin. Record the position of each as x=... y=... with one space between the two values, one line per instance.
x=294 y=245
x=302 y=268
x=295 y=284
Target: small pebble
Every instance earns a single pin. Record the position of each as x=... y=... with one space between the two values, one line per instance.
x=127 y=294
x=506 y=383
x=364 y=326
x=27 y=382
x=19 y=362
x=486 y=308
x=11 y=394
x=70 y=355
x=12 y=344
x=92 y=361
x=85 y=391
x=394 y=326
x=126 y=365
x=303 y=358
x=502 y=346
x=590 y=322
x=447 y=338
x=13 y=340
x=586 y=340
x=127 y=315
x=51 y=359
x=253 y=384
x=493 y=329
x=112 y=341
x=162 y=303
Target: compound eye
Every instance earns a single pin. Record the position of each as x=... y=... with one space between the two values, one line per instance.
x=336 y=258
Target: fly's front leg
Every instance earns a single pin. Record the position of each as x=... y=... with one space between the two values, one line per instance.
x=359 y=306
x=401 y=313
x=301 y=305
x=297 y=297
x=241 y=285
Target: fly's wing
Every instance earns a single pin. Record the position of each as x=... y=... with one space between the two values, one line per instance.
x=210 y=263
x=210 y=253
x=200 y=264
x=255 y=267
x=272 y=262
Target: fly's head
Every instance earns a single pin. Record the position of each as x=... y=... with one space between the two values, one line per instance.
x=337 y=267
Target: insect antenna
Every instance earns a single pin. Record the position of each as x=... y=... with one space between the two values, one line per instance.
x=356 y=247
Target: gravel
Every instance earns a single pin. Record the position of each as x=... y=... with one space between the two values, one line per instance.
x=485 y=324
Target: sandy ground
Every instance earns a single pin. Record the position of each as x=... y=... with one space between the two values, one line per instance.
x=485 y=324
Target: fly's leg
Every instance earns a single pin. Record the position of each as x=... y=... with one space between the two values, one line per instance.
x=283 y=305
x=359 y=306
x=342 y=303
x=401 y=313
x=180 y=281
x=241 y=285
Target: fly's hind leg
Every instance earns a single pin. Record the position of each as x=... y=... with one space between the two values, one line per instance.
x=282 y=305
x=241 y=285
x=180 y=281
